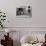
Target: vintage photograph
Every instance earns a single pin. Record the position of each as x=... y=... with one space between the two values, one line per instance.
x=24 y=11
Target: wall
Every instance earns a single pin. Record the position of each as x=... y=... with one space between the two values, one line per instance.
x=38 y=13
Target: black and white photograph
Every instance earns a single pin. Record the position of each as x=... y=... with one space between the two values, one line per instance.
x=24 y=11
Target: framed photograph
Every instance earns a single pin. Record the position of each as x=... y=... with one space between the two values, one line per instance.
x=24 y=11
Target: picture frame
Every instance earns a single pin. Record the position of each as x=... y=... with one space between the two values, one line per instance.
x=24 y=12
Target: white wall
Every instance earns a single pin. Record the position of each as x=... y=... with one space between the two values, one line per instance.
x=38 y=20
x=38 y=13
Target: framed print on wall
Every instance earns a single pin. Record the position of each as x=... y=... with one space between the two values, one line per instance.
x=24 y=11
